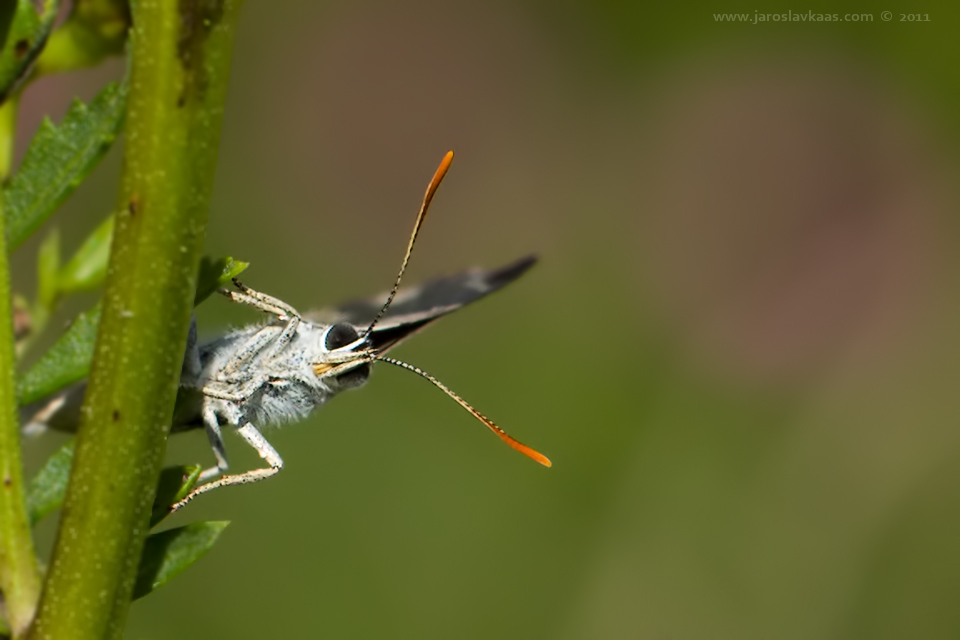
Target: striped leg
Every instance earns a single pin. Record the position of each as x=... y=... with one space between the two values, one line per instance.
x=266 y=451
x=212 y=426
x=267 y=304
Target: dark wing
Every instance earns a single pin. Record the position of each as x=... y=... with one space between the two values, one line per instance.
x=412 y=309
x=416 y=307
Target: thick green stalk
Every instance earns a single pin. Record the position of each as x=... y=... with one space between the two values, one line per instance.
x=180 y=61
x=8 y=130
x=19 y=576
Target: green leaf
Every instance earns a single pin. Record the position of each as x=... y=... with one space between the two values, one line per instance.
x=47 y=489
x=175 y=483
x=216 y=274
x=66 y=362
x=7 y=11
x=168 y=553
x=25 y=35
x=88 y=266
x=48 y=270
x=58 y=160
x=94 y=30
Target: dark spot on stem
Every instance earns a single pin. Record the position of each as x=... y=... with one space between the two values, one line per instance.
x=133 y=207
x=21 y=47
x=116 y=416
x=7 y=481
x=197 y=19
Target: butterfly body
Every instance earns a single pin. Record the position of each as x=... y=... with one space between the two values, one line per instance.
x=280 y=371
x=275 y=388
x=282 y=386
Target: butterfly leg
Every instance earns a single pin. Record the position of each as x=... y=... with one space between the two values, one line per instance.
x=212 y=426
x=260 y=301
x=250 y=349
x=268 y=304
x=238 y=392
x=266 y=451
x=60 y=412
x=37 y=424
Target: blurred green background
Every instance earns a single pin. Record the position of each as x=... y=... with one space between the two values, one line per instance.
x=740 y=349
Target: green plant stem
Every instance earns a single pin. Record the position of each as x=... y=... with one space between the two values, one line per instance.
x=19 y=576
x=180 y=61
x=8 y=130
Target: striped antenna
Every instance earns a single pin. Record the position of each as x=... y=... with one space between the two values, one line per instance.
x=500 y=433
x=427 y=197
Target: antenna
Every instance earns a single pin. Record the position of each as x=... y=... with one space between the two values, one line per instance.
x=427 y=197
x=503 y=435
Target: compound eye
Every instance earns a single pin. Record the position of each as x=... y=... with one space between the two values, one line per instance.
x=340 y=335
x=354 y=377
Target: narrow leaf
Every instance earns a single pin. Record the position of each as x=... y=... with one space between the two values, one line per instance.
x=66 y=362
x=167 y=554
x=46 y=490
x=175 y=483
x=215 y=274
x=58 y=160
x=25 y=33
x=94 y=30
x=7 y=11
x=48 y=270
x=88 y=266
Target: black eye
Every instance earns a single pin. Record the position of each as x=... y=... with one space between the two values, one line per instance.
x=355 y=377
x=340 y=335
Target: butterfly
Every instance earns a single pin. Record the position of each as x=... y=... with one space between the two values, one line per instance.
x=281 y=370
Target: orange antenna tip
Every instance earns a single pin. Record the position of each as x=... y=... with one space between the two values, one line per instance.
x=536 y=455
x=434 y=185
x=533 y=454
x=421 y=216
x=447 y=159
